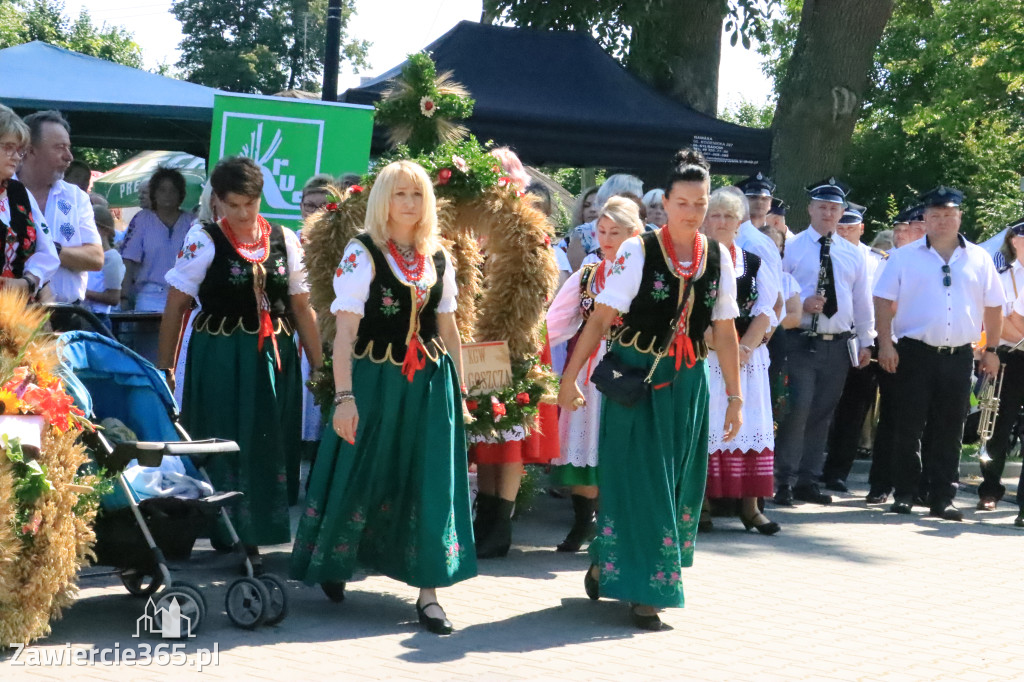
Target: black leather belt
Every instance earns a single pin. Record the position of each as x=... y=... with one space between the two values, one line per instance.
x=841 y=336
x=938 y=350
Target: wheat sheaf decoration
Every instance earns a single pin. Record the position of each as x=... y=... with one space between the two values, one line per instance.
x=422 y=109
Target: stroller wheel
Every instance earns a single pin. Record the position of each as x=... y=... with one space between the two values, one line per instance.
x=190 y=610
x=196 y=594
x=247 y=603
x=277 y=607
x=139 y=583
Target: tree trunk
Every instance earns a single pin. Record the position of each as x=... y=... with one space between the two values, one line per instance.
x=821 y=94
x=677 y=47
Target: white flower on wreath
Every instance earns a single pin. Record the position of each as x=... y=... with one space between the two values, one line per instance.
x=460 y=163
x=427 y=106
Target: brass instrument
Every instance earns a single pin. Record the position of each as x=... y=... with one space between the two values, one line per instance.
x=988 y=409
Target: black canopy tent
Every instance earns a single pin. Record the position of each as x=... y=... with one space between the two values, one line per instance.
x=558 y=98
x=108 y=104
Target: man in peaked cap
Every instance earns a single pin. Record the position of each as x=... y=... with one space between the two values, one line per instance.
x=941 y=287
x=1011 y=275
x=759 y=191
x=835 y=295
x=861 y=386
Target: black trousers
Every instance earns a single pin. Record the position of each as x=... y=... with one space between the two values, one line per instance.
x=932 y=390
x=859 y=394
x=1010 y=401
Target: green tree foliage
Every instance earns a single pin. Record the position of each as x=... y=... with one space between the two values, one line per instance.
x=260 y=46
x=946 y=106
x=22 y=21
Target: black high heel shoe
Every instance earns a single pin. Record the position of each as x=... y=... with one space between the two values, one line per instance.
x=439 y=626
x=592 y=585
x=645 y=622
x=767 y=528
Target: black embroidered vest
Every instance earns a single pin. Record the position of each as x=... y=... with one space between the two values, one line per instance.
x=746 y=291
x=387 y=317
x=650 y=314
x=226 y=292
x=22 y=230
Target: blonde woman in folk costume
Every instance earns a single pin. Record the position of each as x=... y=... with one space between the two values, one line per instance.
x=389 y=490
x=576 y=466
x=653 y=455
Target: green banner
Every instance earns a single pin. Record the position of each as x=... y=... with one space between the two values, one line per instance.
x=292 y=140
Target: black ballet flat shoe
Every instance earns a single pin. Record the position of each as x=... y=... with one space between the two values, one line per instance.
x=335 y=591
x=651 y=622
x=591 y=585
x=439 y=626
x=767 y=527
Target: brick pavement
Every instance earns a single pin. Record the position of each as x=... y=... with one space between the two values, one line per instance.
x=844 y=592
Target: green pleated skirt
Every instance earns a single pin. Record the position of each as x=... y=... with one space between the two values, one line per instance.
x=234 y=391
x=653 y=467
x=396 y=502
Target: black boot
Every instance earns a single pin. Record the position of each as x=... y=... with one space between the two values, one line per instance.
x=499 y=538
x=585 y=526
x=484 y=521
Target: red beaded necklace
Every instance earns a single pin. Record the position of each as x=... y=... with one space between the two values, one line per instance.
x=262 y=240
x=411 y=269
x=732 y=252
x=698 y=253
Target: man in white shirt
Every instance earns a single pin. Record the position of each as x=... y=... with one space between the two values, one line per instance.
x=758 y=191
x=861 y=383
x=67 y=208
x=944 y=289
x=1011 y=400
x=836 y=299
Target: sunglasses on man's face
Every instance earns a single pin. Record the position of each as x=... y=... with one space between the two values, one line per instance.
x=947 y=280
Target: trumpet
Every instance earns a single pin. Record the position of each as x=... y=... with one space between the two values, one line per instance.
x=988 y=409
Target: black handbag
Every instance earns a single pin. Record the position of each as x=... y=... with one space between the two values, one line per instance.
x=628 y=385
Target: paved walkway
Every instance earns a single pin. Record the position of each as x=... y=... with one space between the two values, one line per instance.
x=844 y=592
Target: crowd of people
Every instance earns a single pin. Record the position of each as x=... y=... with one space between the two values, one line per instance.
x=709 y=357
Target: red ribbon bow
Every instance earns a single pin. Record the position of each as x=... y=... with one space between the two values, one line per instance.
x=415 y=358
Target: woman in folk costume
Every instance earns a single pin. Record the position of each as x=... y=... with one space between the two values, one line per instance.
x=742 y=468
x=576 y=466
x=674 y=283
x=242 y=378
x=389 y=489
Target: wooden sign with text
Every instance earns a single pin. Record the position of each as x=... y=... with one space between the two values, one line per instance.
x=486 y=366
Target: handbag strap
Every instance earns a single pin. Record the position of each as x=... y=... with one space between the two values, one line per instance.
x=673 y=329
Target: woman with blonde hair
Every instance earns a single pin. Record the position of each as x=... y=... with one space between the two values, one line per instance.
x=741 y=467
x=389 y=489
x=576 y=466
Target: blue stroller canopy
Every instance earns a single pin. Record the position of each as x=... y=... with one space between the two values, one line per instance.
x=120 y=383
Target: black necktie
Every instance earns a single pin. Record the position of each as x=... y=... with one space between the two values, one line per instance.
x=826 y=280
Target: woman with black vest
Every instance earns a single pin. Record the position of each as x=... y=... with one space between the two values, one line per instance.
x=742 y=468
x=242 y=379
x=389 y=490
x=674 y=283
x=29 y=258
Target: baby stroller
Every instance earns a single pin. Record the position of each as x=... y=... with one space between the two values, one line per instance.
x=136 y=534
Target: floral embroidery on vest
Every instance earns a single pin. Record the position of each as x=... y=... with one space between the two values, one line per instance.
x=389 y=306
x=659 y=291
x=239 y=273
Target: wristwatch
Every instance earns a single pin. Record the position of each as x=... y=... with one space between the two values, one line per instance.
x=990 y=349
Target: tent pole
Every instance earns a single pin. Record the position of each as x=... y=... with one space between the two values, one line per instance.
x=332 y=49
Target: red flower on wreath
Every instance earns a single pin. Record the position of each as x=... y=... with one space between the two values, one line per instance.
x=504 y=181
x=331 y=206
x=443 y=176
x=355 y=189
x=523 y=398
x=472 y=405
